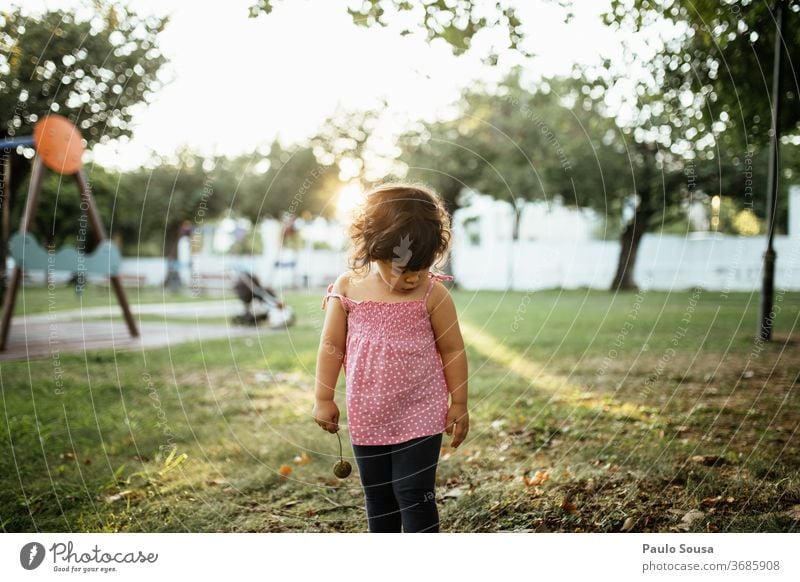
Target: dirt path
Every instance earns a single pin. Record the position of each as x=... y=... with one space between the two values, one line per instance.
x=46 y=335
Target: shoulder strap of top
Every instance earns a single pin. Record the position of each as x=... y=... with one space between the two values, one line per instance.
x=433 y=278
x=346 y=301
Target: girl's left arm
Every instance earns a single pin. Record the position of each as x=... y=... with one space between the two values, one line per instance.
x=450 y=344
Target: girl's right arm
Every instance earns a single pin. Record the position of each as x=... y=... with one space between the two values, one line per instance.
x=329 y=361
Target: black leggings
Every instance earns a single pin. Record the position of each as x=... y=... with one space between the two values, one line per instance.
x=398 y=482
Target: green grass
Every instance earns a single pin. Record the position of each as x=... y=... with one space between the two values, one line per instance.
x=33 y=299
x=555 y=386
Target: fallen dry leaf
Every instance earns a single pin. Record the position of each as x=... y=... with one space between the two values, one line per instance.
x=301 y=459
x=569 y=507
x=708 y=460
x=474 y=456
x=538 y=478
x=130 y=494
x=690 y=517
x=454 y=493
x=535 y=491
x=794 y=512
x=628 y=525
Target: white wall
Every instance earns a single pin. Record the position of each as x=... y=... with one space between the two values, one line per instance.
x=794 y=211
x=554 y=250
x=667 y=262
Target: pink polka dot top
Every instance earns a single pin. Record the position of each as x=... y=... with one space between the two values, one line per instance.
x=395 y=383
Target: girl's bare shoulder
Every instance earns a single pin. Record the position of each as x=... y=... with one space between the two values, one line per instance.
x=346 y=281
x=439 y=296
x=352 y=279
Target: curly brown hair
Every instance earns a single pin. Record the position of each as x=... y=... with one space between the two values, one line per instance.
x=400 y=222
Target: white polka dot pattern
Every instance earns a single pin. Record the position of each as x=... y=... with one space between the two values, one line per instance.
x=396 y=389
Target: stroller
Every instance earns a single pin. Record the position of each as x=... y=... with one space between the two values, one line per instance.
x=272 y=310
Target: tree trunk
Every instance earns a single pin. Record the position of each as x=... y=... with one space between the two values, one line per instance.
x=629 y=247
x=173 y=279
x=634 y=231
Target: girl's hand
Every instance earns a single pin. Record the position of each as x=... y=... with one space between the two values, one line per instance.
x=326 y=415
x=457 y=415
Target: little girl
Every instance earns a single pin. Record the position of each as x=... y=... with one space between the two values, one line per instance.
x=396 y=332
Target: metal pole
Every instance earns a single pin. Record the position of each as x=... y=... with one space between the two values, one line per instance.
x=5 y=220
x=768 y=283
x=13 y=142
x=35 y=186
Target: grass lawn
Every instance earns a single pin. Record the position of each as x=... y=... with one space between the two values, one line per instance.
x=33 y=299
x=589 y=412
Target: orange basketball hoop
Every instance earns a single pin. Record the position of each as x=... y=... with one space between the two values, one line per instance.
x=59 y=144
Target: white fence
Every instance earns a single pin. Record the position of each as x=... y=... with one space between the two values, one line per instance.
x=555 y=249
x=667 y=262
x=288 y=269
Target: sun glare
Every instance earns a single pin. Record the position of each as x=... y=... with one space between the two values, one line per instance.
x=349 y=198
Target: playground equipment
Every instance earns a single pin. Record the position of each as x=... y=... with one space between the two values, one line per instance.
x=59 y=147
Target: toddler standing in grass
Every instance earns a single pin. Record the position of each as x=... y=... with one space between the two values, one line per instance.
x=395 y=330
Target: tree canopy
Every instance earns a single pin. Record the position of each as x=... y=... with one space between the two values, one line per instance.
x=93 y=71
x=456 y=22
x=519 y=143
x=722 y=51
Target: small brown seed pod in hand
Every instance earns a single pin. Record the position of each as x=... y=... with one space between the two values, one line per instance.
x=342 y=468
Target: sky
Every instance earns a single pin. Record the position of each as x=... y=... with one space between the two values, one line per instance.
x=236 y=83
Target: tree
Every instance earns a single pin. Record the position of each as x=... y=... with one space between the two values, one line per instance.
x=58 y=219
x=93 y=70
x=722 y=51
x=294 y=181
x=181 y=194
x=173 y=196
x=716 y=68
x=663 y=136
x=456 y=22
x=555 y=138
